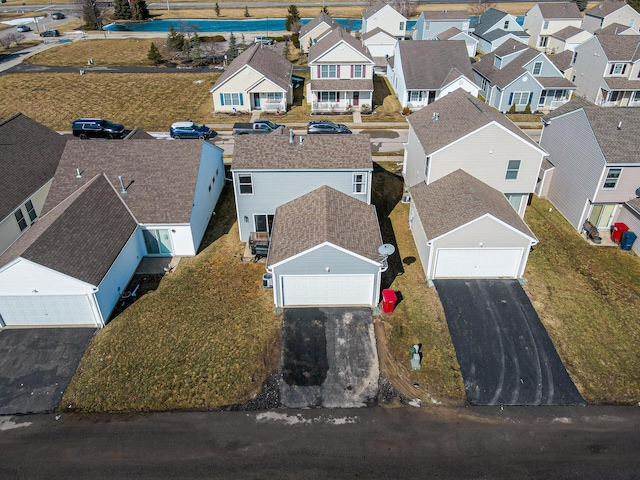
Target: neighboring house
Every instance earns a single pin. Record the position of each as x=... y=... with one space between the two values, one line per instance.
x=566 y=39
x=314 y=30
x=461 y=131
x=608 y=12
x=616 y=29
x=324 y=251
x=443 y=68
x=594 y=151
x=516 y=75
x=562 y=62
x=384 y=16
x=431 y=24
x=630 y=216
x=606 y=70
x=495 y=27
x=454 y=33
x=463 y=228
x=380 y=45
x=545 y=19
x=271 y=170
x=257 y=79
x=171 y=188
x=139 y=134
x=29 y=156
x=341 y=74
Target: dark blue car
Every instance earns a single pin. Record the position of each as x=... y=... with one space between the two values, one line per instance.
x=191 y=130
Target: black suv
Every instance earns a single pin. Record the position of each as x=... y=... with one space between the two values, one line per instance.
x=323 y=126
x=96 y=128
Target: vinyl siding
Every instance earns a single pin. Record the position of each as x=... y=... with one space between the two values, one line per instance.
x=439 y=26
x=533 y=24
x=24 y=276
x=521 y=85
x=345 y=55
x=419 y=238
x=388 y=19
x=628 y=182
x=415 y=160
x=589 y=69
x=578 y=162
x=315 y=33
x=239 y=83
x=548 y=70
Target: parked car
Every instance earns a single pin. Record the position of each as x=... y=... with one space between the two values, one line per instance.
x=264 y=40
x=86 y=128
x=57 y=15
x=50 y=33
x=259 y=126
x=323 y=126
x=24 y=28
x=191 y=130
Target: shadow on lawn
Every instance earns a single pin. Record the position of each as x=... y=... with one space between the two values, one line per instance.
x=223 y=218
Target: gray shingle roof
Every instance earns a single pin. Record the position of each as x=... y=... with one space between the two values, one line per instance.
x=162 y=175
x=376 y=7
x=634 y=206
x=426 y=64
x=459 y=114
x=82 y=236
x=613 y=29
x=375 y=31
x=618 y=146
x=487 y=20
x=620 y=48
x=448 y=33
x=29 y=156
x=459 y=198
x=556 y=82
x=139 y=134
x=341 y=85
x=329 y=152
x=325 y=215
x=605 y=8
x=567 y=32
x=272 y=65
x=508 y=73
x=330 y=40
x=321 y=18
x=446 y=15
x=566 y=10
x=562 y=60
x=499 y=33
x=619 y=83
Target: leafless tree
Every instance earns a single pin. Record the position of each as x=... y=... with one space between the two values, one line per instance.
x=407 y=8
x=92 y=12
x=480 y=7
x=10 y=38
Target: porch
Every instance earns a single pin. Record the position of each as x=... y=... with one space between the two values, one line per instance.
x=271 y=102
x=619 y=98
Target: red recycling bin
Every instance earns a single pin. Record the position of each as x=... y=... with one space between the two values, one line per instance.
x=389 y=299
x=617 y=230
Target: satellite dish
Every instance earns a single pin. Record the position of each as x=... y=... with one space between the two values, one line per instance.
x=638 y=192
x=386 y=249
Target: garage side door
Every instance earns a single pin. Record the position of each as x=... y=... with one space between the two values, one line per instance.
x=327 y=290
x=46 y=310
x=477 y=263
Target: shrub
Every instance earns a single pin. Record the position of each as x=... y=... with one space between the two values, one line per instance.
x=512 y=109
x=527 y=109
x=365 y=108
x=406 y=111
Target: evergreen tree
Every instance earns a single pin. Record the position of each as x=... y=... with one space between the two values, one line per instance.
x=92 y=13
x=175 y=40
x=324 y=10
x=196 y=51
x=186 y=50
x=246 y=12
x=286 y=52
x=293 y=19
x=217 y=10
x=242 y=46
x=139 y=10
x=122 y=10
x=635 y=4
x=232 y=48
x=154 y=54
x=582 y=4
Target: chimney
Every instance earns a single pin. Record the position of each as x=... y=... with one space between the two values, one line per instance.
x=124 y=190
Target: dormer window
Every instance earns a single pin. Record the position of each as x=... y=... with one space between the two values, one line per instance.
x=506 y=25
x=618 y=69
x=537 y=68
x=497 y=62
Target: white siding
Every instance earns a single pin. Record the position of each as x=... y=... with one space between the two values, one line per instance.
x=23 y=277
x=419 y=238
x=242 y=82
x=388 y=19
x=415 y=160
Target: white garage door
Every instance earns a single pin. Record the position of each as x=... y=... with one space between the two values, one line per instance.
x=46 y=310
x=327 y=290
x=477 y=263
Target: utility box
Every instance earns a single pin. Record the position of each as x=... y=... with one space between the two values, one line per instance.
x=267 y=280
x=389 y=299
x=627 y=240
x=617 y=229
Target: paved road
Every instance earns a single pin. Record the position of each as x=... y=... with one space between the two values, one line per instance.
x=473 y=443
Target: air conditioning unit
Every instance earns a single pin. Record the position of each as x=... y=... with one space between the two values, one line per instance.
x=267 y=280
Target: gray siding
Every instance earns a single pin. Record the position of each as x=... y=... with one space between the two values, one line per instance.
x=589 y=69
x=419 y=238
x=415 y=160
x=548 y=70
x=520 y=85
x=578 y=162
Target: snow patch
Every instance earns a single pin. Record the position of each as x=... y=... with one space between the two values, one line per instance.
x=416 y=402
x=300 y=420
x=562 y=420
x=7 y=424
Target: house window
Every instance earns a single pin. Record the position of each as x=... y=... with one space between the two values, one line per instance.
x=574 y=58
x=520 y=99
x=358 y=71
x=485 y=84
x=246 y=184
x=632 y=21
x=359 y=183
x=22 y=223
x=515 y=199
x=611 y=182
x=31 y=211
x=544 y=41
x=402 y=26
x=506 y=25
x=573 y=79
x=512 y=170
x=231 y=99
x=328 y=96
x=636 y=96
x=497 y=62
x=427 y=26
x=618 y=69
x=537 y=68
x=545 y=25
x=263 y=223
x=613 y=96
x=328 y=71
x=414 y=96
x=274 y=97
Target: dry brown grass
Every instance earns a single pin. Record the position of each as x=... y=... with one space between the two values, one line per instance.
x=386 y=105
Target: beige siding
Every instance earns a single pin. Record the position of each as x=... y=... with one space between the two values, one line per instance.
x=388 y=19
x=315 y=33
x=239 y=83
x=344 y=54
x=628 y=182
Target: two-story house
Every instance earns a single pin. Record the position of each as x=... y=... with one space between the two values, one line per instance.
x=566 y=39
x=270 y=170
x=609 y=12
x=341 y=71
x=454 y=33
x=430 y=24
x=516 y=76
x=29 y=156
x=443 y=68
x=595 y=164
x=460 y=131
x=495 y=27
x=384 y=16
x=606 y=70
x=545 y=19
x=314 y=30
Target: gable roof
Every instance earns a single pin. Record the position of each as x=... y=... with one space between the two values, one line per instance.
x=325 y=215
x=321 y=18
x=487 y=20
x=376 y=31
x=564 y=10
x=446 y=15
x=437 y=60
x=618 y=146
x=160 y=176
x=331 y=152
x=605 y=8
x=448 y=33
x=562 y=60
x=459 y=198
x=625 y=48
x=459 y=114
x=330 y=40
x=567 y=32
x=139 y=134
x=270 y=64
x=81 y=237
x=613 y=29
x=29 y=156
x=375 y=8
x=634 y=206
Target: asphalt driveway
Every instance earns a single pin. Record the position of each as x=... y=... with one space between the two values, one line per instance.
x=329 y=358
x=505 y=354
x=36 y=365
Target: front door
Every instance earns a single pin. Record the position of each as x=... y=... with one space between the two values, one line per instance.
x=256 y=100
x=601 y=214
x=158 y=242
x=263 y=223
x=356 y=99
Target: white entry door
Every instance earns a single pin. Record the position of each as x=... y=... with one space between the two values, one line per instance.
x=477 y=263
x=327 y=290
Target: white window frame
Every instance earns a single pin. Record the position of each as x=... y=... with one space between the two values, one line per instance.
x=232 y=99
x=545 y=25
x=245 y=184
x=506 y=25
x=520 y=96
x=21 y=220
x=275 y=97
x=359 y=183
x=618 y=69
x=328 y=96
x=328 y=71
x=401 y=26
x=357 y=74
x=511 y=197
x=574 y=58
x=612 y=178
x=539 y=66
x=31 y=211
x=543 y=42
x=513 y=169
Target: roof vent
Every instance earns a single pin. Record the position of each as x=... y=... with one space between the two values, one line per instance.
x=290 y=135
x=620 y=125
x=435 y=117
x=300 y=139
x=124 y=190
x=78 y=173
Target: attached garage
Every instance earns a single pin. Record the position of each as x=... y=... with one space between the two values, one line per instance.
x=327 y=289
x=463 y=228
x=46 y=310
